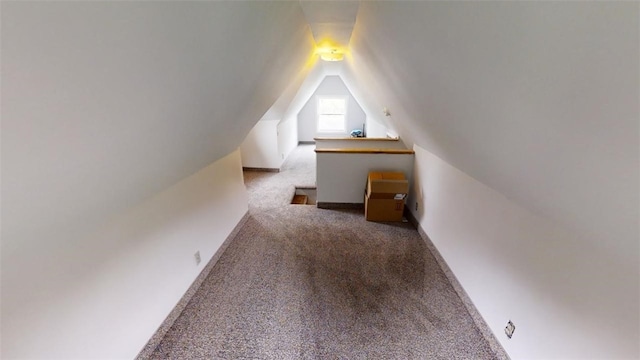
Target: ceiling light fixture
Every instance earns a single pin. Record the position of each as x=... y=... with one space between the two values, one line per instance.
x=331 y=54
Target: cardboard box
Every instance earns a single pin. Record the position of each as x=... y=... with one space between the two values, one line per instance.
x=385 y=196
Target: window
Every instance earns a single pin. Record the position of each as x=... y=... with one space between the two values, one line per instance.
x=331 y=115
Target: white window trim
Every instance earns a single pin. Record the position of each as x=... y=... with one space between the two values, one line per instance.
x=346 y=111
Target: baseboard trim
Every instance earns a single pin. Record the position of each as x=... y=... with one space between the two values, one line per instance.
x=485 y=330
x=260 y=169
x=333 y=205
x=157 y=337
x=409 y=216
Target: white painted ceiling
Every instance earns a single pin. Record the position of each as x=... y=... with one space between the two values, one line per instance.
x=332 y=20
x=539 y=101
x=107 y=103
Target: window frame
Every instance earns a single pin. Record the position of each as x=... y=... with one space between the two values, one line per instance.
x=318 y=114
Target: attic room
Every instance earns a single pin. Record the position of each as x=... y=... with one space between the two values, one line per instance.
x=127 y=219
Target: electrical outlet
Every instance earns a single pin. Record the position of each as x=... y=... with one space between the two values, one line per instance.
x=509 y=329
x=197 y=257
x=416 y=206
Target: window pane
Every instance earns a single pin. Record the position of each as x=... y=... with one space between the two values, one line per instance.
x=331 y=115
x=331 y=123
x=331 y=106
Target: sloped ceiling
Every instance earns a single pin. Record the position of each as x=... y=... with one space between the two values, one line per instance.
x=537 y=100
x=106 y=103
x=309 y=75
x=331 y=20
x=334 y=21
x=304 y=91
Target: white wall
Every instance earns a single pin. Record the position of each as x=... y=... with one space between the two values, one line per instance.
x=287 y=137
x=540 y=102
x=307 y=118
x=132 y=97
x=342 y=178
x=260 y=148
x=569 y=299
x=376 y=129
x=104 y=106
x=377 y=123
x=288 y=126
x=530 y=98
x=103 y=294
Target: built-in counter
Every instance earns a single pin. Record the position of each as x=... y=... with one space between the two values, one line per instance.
x=342 y=171
x=355 y=143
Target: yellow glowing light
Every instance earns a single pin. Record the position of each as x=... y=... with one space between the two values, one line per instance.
x=330 y=54
x=330 y=51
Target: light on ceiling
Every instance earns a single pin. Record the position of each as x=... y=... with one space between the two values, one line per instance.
x=331 y=54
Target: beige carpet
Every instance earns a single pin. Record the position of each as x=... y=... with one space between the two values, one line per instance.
x=300 y=282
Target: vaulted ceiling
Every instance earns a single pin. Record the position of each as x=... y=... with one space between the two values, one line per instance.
x=107 y=103
x=537 y=100
x=104 y=104
x=523 y=97
x=331 y=21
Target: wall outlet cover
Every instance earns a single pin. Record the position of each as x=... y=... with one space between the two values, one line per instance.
x=509 y=329
x=197 y=257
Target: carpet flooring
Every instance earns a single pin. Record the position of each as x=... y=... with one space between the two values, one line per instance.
x=298 y=282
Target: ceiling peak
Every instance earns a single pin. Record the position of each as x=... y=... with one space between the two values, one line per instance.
x=331 y=20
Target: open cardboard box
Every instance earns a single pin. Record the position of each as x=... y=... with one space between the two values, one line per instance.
x=385 y=196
